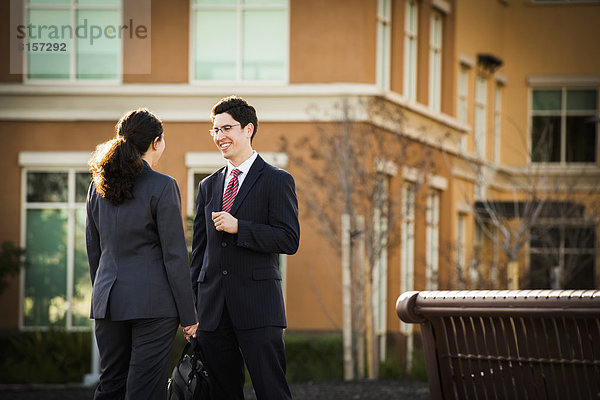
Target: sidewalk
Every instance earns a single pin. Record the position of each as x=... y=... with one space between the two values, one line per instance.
x=362 y=390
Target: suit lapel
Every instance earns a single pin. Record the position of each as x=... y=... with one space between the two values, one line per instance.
x=253 y=174
x=217 y=201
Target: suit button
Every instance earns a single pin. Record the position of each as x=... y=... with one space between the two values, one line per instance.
x=223 y=244
x=224 y=272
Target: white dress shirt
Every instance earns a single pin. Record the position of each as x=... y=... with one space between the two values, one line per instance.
x=243 y=167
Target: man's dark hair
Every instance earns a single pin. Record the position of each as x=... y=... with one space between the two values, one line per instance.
x=239 y=109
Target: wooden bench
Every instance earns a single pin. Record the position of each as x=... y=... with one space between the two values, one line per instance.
x=523 y=344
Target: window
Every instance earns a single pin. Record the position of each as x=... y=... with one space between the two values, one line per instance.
x=478 y=261
x=239 y=40
x=480 y=120
x=199 y=177
x=88 y=31
x=383 y=43
x=563 y=128
x=495 y=262
x=408 y=243
x=497 y=120
x=410 y=51
x=460 y=250
x=380 y=226
x=563 y=256
x=433 y=239
x=463 y=93
x=435 y=62
x=57 y=287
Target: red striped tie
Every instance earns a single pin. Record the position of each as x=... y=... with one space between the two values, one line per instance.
x=231 y=190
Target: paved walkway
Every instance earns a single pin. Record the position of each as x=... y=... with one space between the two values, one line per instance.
x=361 y=390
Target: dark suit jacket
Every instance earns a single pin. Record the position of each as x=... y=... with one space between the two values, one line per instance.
x=137 y=253
x=243 y=269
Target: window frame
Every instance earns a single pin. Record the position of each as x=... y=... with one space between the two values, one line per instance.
x=71 y=206
x=239 y=7
x=562 y=114
x=73 y=7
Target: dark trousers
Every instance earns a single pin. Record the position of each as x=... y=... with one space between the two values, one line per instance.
x=262 y=349
x=134 y=358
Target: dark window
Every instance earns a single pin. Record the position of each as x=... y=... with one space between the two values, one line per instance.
x=539 y=271
x=581 y=139
x=563 y=125
x=579 y=271
x=545 y=133
x=562 y=257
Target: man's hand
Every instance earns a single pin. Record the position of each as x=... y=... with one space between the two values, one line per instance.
x=189 y=331
x=225 y=222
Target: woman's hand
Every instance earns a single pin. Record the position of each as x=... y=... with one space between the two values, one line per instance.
x=189 y=331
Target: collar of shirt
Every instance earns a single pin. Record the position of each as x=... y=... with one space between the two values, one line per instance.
x=244 y=167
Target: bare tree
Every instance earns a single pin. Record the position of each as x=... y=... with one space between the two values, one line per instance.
x=536 y=205
x=344 y=170
x=564 y=240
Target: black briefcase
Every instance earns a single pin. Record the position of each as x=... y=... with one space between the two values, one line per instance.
x=189 y=380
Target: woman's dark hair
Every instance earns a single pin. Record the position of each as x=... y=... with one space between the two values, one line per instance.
x=239 y=109
x=116 y=163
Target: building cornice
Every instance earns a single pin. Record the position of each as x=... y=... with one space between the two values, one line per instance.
x=545 y=177
x=563 y=80
x=190 y=103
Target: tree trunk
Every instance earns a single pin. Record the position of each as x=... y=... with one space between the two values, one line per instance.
x=361 y=300
x=369 y=325
x=513 y=275
x=347 y=298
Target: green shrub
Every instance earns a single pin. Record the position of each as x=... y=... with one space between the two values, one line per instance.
x=53 y=356
x=391 y=368
x=309 y=357
x=313 y=357
x=418 y=370
x=10 y=262
x=178 y=346
x=57 y=356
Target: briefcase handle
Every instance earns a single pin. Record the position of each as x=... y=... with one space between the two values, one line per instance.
x=195 y=344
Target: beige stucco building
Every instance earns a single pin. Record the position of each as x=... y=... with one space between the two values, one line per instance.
x=481 y=85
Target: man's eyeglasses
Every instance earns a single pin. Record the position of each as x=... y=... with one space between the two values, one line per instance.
x=225 y=129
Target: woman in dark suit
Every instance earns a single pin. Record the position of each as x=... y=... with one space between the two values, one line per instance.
x=141 y=289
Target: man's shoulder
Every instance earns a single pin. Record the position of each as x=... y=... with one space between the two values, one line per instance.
x=273 y=170
x=211 y=178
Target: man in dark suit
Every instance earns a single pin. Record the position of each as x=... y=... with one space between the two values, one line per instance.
x=246 y=215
